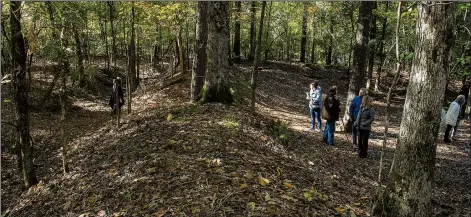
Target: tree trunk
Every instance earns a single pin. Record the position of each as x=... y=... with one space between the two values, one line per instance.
x=267 y=32
x=156 y=59
x=409 y=190
x=236 y=48
x=132 y=54
x=382 y=55
x=18 y=52
x=199 y=60
x=106 y=46
x=216 y=87
x=113 y=35
x=80 y=59
x=257 y=57
x=328 y=60
x=371 y=50
x=304 y=34
x=313 y=39
x=253 y=11
x=181 y=52
x=357 y=77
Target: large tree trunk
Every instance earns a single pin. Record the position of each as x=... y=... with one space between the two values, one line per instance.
x=199 y=61
x=216 y=87
x=18 y=52
x=253 y=11
x=80 y=59
x=132 y=53
x=257 y=57
x=371 y=50
x=382 y=55
x=113 y=35
x=357 y=77
x=236 y=48
x=409 y=190
x=304 y=34
x=328 y=58
x=267 y=33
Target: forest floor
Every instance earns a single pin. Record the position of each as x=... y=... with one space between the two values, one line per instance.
x=174 y=158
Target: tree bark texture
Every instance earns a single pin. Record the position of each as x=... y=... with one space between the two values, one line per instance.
x=236 y=48
x=199 y=61
x=371 y=50
x=216 y=87
x=253 y=12
x=257 y=57
x=409 y=190
x=21 y=95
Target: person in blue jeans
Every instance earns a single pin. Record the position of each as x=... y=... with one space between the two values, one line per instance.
x=331 y=114
x=315 y=105
x=353 y=110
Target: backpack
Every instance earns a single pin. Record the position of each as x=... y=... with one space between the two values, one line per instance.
x=315 y=99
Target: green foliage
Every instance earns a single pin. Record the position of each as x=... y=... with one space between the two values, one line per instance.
x=312 y=193
x=230 y=122
x=280 y=130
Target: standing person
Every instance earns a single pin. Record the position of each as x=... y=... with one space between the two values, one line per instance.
x=112 y=101
x=315 y=105
x=363 y=122
x=331 y=114
x=452 y=116
x=353 y=110
x=465 y=92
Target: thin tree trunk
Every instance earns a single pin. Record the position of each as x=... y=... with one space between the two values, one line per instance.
x=371 y=50
x=328 y=60
x=257 y=57
x=382 y=55
x=409 y=191
x=216 y=87
x=113 y=35
x=236 y=48
x=388 y=99
x=267 y=33
x=313 y=40
x=253 y=11
x=106 y=46
x=350 y=52
x=360 y=52
x=20 y=83
x=132 y=53
x=181 y=52
x=80 y=59
x=304 y=34
x=199 y=60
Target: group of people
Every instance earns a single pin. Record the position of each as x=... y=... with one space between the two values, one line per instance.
x=360 y=111
x=362 y=115
x=455 y=114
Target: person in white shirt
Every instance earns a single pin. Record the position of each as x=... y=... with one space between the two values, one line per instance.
x=452 y=116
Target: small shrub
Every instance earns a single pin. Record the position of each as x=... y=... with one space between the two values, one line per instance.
x=280 y=130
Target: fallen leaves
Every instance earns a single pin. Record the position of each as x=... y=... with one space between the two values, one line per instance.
x=263 y=181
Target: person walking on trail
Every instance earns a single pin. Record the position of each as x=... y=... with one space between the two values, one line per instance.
x=452 y=116
x=363 y=123
x=112 y=101
x=315 y=105
x=353 y=110
x=331 y=113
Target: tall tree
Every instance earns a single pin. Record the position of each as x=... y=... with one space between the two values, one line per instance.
x=253 y=12
x=114 y=52
x=216 y=85
x=304 y=34
x=199 y=61
x=132 y=53
x=80 y=58
x=267 y=32
x=357 y=77
x=382 y=55
x=313 y=49
x=328 y=57
x=371 y=50
x=257 y=57
x=18 y=52
x=236 y=48
x=409 y=190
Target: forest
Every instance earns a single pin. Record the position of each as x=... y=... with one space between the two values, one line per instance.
x=235 y=108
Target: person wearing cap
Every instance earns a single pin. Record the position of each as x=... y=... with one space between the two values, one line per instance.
x=331 y=113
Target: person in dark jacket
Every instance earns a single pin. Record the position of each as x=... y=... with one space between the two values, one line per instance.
x=112 y=101
x=353 y=112
x=331 y=114
x=363 y=123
